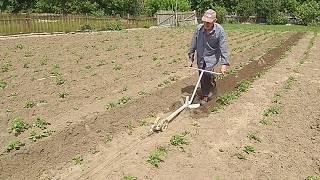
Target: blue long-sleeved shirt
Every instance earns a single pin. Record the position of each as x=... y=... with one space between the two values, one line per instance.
x=210 y=48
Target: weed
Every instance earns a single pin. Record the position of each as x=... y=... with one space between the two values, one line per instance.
x=41 y=123
x=18 y=126
x=289 y=83
x=272 y=110
x=14 y=145
x=3 y=84
x=253 y=136
x=248 y=149
x=178 y=140
x=34 y=136
x=110 y=105
x=124 y=100
x=77 y=160
x=155 y=157
x=63 y=95
x=29 y=104
x=129 y=178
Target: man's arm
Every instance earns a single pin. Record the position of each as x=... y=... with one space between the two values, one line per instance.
x=193 y=47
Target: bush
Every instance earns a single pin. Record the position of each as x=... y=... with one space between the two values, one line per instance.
x=152 y=6
x=113 y=26
x=309 y=13
x=278 y=18
x=221 y=14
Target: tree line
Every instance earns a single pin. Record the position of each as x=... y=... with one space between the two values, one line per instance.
x=272 y=11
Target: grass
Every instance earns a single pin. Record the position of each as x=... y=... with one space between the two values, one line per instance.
x=249 y=149
x=78 y=160
x=29 y=104
x=155 y=157
x=3 y=84
x=129 y=178
x=271 y=111
x=18 y=126
x=277 y=28
x=14 y=145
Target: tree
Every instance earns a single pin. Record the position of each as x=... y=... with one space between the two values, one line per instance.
x=245 y=8
x=309 y=12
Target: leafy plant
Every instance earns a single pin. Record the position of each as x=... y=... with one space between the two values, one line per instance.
x=18 y=126
x=129 y=178
x=289 y=83
x=29 y=104
x=3 y=84
x=272 y=110
x=249 y=149
x=63 y=95
x=41 y=123
x=34 y=136
x=77 y=160
x=155 y=157
x=313 y=178
x=117 y=67
x=60 y=80
x=178 y=140
x=124 y=100
x=253 y=136
x=14 y=145
x=110 y=105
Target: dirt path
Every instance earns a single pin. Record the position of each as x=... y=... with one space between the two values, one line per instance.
x=287 y=148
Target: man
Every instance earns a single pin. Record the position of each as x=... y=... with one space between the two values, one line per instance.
x=209 y=43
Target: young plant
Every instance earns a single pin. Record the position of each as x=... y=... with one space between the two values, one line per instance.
x=110 y=105
x=272 y=110
x=60 y=80
x=289 y=83
x=14 y=145
x=117 y=67
x=77 y=160
x=178 y=140
x=29 y=104
x=34 y=136
x=18 y=126
x=129 y=178
x=253 y=136
x=155 y=157
x=3 y=84
x=63 y=95
x=124 y=100
x=41 y=123
x=249 y=149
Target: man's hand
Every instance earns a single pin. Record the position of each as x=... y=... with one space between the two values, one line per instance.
x=191 y=59
x=190 y=64
x=223 y=69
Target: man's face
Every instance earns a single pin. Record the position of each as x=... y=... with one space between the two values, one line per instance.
x=208 y=26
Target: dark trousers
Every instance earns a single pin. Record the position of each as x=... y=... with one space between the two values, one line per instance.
x=207 y=81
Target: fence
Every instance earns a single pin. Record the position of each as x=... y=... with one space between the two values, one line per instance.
x=172 y=18
x=38 y=23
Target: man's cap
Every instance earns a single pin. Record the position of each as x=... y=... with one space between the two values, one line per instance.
x=209 y=16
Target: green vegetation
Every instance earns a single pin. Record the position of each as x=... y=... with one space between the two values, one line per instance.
x=14 y=145
x=3 y=84
x=272 y=110
x=78 y=160
x=41 y=123
x=155 y=157
x=254 y=136
x=178 y=140
x=129 y=178
x=29 y=104
x=289 y=83
x=17 y=126
x=249 y=149
x=313 y=178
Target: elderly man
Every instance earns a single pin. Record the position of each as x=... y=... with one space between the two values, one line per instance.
x=209 y=43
